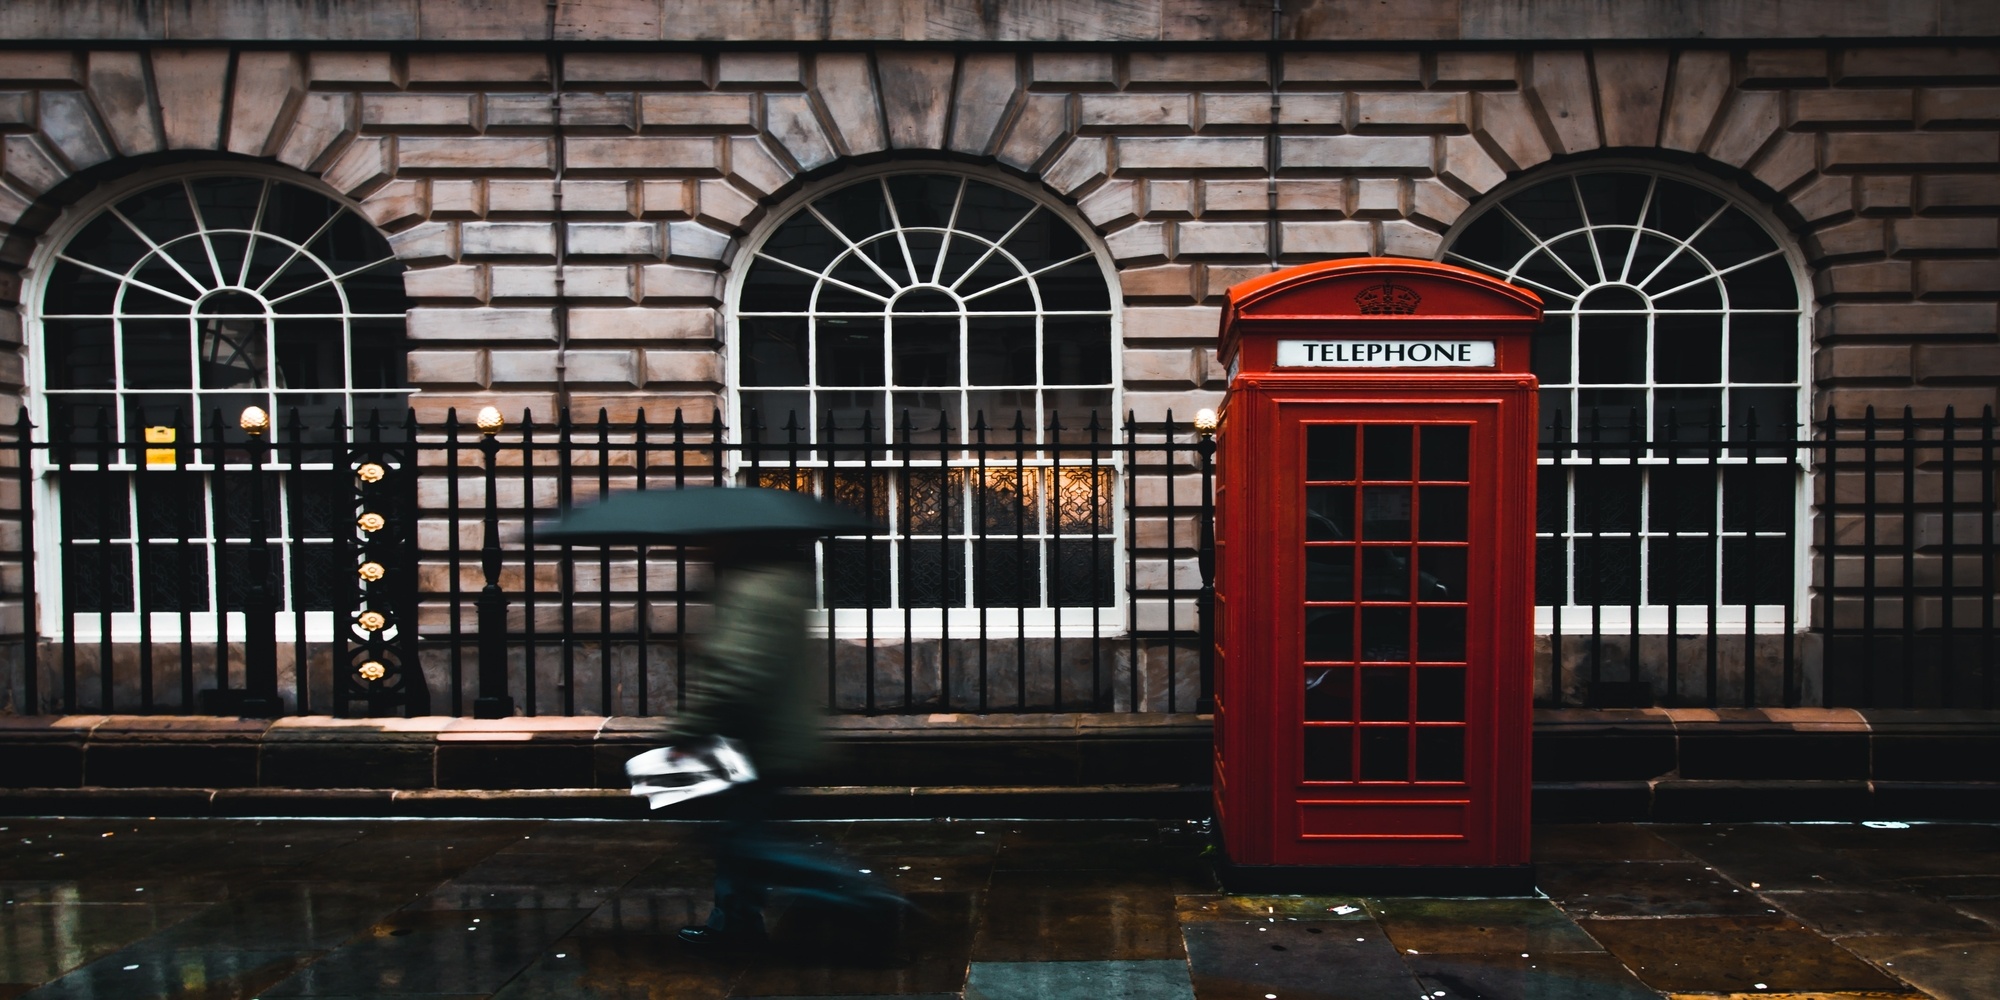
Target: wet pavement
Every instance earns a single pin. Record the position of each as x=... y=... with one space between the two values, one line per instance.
x=1011 y=910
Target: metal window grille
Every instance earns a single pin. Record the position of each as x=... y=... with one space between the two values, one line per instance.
x=1673 y=327
x=160 y=320
x=922 y=321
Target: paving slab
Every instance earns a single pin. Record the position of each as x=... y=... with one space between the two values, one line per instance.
x=289 y=916
x=44 y=940
x=1736 y=954
x=1031 y=916
x=1573 y=842
x=1573 y=976
x=1296 y=960
x=623 y=966
x=821 y=952
x=1114 y=980
x=1215 y=906
x=1479 y=927
x=1766 y=995
x=145 y=970
x=1948 y=967
x=432 y=951
x=1841 y=914
x=1645 y=889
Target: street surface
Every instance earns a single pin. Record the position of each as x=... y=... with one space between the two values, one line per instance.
x=1010 y=910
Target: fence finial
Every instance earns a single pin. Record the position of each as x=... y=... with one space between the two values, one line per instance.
x=254 y=421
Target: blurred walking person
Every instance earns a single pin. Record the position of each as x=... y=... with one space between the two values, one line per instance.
x=751 y=686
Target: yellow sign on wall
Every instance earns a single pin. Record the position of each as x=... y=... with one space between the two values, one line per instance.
x=160 y=458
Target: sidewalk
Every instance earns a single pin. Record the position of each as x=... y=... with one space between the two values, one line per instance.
x=1014 y=910
x=1662 y=765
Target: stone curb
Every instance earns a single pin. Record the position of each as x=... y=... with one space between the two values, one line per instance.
x=1590 y=765
x=1574 y=802
x=841 y=802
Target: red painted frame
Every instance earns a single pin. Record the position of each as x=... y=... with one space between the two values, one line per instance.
x=1268 y=813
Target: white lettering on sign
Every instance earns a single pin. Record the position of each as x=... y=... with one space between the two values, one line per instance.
x=1385 y=354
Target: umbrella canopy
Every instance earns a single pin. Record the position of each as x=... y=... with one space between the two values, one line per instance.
x=685 y=515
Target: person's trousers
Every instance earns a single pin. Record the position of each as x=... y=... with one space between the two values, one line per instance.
x=740 y=845
x=752 y=858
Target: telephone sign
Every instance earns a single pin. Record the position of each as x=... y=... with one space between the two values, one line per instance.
x=1356 y=353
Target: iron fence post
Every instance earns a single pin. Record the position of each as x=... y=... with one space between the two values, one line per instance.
x=31 y=640
x=493 y=701
x=1987 y=555
x=1830 y=548
x=1204 y=446
x=1173 y=670
x=259 y=698
x=1948 y=550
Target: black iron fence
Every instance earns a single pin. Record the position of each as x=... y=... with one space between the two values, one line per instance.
x=1907 y=561
x=391 y=566
x=1851 y=566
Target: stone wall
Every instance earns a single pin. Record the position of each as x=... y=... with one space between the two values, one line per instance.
x=1881 y=160
x=628 y=21
x=643 y=173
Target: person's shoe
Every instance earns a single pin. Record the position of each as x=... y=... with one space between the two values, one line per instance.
x=709 y=939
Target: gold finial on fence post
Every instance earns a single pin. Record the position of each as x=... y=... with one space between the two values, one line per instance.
x=254 y=421
x=1205 y=422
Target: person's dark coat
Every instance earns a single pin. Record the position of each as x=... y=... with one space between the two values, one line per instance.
x=749 y=680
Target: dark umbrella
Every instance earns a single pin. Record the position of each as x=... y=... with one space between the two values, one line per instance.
x=685 y=515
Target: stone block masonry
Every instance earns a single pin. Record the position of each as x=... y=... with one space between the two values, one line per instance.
x=647 y=172
x=572 y=244
x=574 y=197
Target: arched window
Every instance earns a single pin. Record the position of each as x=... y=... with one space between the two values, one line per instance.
x=962 y=332
x=1671 y=370
x=159 y=319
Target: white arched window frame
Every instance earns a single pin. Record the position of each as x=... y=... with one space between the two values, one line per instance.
x=888 y=316
x=166 y=302
x=1677 y=311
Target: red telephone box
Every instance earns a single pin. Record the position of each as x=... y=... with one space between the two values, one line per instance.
x=1374 y=595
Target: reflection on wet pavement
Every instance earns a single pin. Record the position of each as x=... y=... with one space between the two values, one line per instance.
x=1006 y=910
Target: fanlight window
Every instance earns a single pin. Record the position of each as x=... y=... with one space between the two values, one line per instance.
x=1670 y=370
x=219 y=292
x=936 y=351
x=160 y=320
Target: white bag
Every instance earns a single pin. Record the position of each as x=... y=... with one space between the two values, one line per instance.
x=677 y=774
